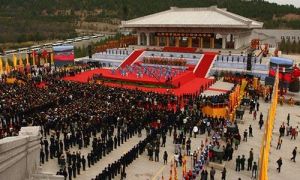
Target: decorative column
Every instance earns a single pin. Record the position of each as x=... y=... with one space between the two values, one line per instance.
x=236 y=42
x=212 y=42
x=167 y=41
x=138 y=39
x=189 y=42
x=177 y=42
x=157 y=40
x=201 y=42
x=148 y=39
x=224 y=38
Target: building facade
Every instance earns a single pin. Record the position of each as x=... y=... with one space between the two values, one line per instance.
x=210 y=27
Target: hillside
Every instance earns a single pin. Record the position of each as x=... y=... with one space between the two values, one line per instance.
x=35 y=20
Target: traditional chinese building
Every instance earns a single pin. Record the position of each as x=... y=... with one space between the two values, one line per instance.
x=210 y=27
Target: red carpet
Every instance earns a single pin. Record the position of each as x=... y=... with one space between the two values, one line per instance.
x=131 y=58
x=204 y=65
x=189 y=84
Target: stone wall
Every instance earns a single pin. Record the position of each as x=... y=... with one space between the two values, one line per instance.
x=19 y=155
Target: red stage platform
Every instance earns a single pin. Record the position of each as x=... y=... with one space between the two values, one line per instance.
x=189 y=83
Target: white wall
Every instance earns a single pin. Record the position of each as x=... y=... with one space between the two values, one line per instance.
x=19 y=155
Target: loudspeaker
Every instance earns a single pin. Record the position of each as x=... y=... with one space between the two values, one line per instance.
x=249 y=63
x=90 y=51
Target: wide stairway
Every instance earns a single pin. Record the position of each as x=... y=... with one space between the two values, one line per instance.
x=131 y=58
x=203 y=67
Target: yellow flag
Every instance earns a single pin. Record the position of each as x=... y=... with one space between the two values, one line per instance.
x=14 y=60
x=7 y=67
x=52 y=58
x=20 y=60
x=1 y=66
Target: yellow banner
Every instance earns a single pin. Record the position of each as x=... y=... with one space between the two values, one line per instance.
x=7 y=66
x=15 y=60
x=20 y=60
x=1 y=66
x=266 y=141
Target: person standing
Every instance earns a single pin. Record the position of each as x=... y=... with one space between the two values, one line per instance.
x=223 y=174
x=279 y=143
x=89 y=159
x=249 y=164
x=254 y=115
x=245 y=135
x=65 y=174
x=250 y=131
x=204 y=175
x=156 y=151
x=212 y=173
x=164 y=138
x=261 y=123
x=74 y=170
x=288 y=119
x=243 y=159
x=70 y=172
x=251 y=156
x=83 y=161
x=254 y=170
x=42 y=157
x=279 y=163
x=165 y=157
x=294 y=153
x=238 y=164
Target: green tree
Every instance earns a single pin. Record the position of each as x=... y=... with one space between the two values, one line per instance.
x=298 y=47
x=288 y=46
x=282 y=45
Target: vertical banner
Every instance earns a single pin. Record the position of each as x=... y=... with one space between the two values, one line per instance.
x=20 y=60
x=7 y=67
x=52 y=57
x=33 y=57
x=15 y=60
x=1 y=66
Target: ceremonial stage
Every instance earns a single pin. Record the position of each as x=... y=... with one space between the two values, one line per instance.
x=189 y=83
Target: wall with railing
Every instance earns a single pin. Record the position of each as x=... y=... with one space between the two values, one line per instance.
x=267 y=138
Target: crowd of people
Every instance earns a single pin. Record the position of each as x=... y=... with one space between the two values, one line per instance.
x=92 y=115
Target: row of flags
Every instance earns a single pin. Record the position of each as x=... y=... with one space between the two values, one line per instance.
x=18 y=60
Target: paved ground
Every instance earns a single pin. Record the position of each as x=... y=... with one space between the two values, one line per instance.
x=143 y=169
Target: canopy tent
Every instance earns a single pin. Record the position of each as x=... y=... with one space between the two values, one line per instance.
x=281 y=61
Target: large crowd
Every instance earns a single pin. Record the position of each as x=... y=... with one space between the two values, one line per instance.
x=92 y=115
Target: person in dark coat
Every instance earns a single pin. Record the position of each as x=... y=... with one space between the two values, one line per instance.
x=243 y=162
x=89 y=160
x=223 y=174
x=74 y=170
x=165 y=157
x=279 y=163
x=238 y=163
x=70 y=172
x=83 y=161
x=294 y=153
x=42 y=157
x=78 y=164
